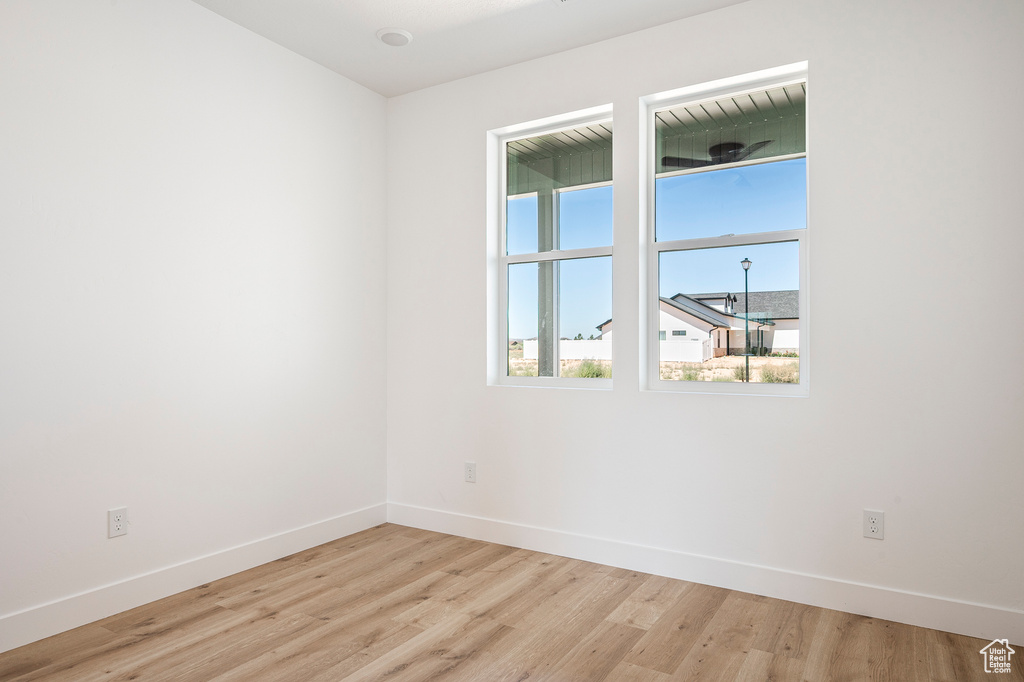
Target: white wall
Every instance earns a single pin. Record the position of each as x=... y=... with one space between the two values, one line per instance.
x=689 y=348
x=669 y=323
x=681 y=350
x=903 y=98
x=785 y=335
x=569 y=349
x=189 y=218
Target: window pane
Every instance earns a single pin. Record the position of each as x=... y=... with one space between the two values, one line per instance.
x=559 y=198
x=702 y=292
x=546 y=167
x=585 y=218
x=699 y=189
x=742 y=127
x=585 y=307
x=737 y=200
x=522 y=319
x=565 y=158
x=521 y=224
x=583 y=315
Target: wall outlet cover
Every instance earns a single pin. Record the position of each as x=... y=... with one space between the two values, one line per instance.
x=117 y=522
x=874 y=524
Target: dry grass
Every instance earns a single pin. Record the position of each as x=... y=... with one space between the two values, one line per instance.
x=727 y=368
x=762 y=369
x=517 y=367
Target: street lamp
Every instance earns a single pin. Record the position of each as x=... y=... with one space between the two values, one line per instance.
x=746 y=317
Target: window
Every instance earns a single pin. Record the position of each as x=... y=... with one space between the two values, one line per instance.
x=727 y=237
x=554 y=255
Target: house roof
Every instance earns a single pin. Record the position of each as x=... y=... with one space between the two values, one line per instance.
x=702 y=311
x=711 y=296
x=777 y=305
x=770 y=305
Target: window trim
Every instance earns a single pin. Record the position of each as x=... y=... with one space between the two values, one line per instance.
x=498 y=261
x=651 y=249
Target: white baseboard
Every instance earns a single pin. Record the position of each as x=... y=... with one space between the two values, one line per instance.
x=975 y=620
x=23 y=627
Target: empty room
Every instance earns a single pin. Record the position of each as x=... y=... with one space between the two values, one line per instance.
x=511 y=340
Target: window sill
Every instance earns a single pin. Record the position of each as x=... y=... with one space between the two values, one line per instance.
x=731 y=388
x=554 y=382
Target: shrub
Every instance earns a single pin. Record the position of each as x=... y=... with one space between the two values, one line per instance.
x=739 y=373
x=788 y=373
x=588 y=369
x=690 y=372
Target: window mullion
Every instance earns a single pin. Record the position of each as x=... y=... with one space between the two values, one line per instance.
x=571 y=254
x=730 y=240
x=547 y=240
x=726 y=166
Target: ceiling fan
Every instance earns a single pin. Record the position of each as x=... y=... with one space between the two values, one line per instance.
x=724 y=152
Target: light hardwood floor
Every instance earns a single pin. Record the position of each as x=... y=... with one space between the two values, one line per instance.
x=395 y=603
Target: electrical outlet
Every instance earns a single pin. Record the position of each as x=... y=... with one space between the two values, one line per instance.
x=874 y=524
x=470 y=472
x=117 y=522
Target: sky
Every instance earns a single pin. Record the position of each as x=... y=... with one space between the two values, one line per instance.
x=758 y=198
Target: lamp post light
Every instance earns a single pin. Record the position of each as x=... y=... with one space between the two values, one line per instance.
x=746 y=318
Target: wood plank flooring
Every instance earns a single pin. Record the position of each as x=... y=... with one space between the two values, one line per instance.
x=405 y=605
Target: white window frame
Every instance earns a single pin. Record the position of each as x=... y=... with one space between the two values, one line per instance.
x=652 y=249
x=498 y=261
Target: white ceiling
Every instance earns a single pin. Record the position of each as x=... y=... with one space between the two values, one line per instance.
x=451 y=38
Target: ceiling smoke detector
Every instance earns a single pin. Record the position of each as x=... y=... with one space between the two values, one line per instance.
x=395 y=37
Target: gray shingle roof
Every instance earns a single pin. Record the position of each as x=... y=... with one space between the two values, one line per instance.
x=711 y=295
x=777 y=305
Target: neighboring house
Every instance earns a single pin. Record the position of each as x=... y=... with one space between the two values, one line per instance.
x=697 y=327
